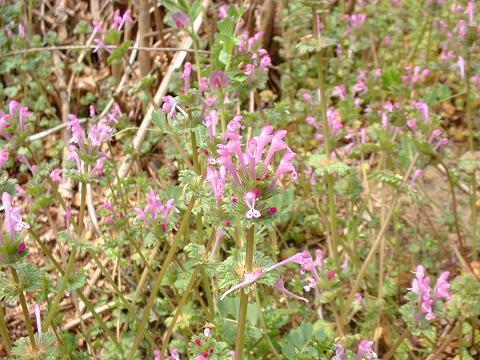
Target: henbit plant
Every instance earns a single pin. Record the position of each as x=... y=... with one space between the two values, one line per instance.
x=287 y=202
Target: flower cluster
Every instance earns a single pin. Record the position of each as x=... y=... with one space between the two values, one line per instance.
x=155 y=211
x=92 y=142
x=250 y=169
x=118 y=23
x=259 y=56
x=426 y=298
x=17 y=115
x=13 y=224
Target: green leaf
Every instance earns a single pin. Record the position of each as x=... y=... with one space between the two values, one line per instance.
x=117 y=55
x=311 y=44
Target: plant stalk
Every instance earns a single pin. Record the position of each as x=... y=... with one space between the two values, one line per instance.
x=4 y=330
x=26 y=315
x=242 y=313
x=158 y=281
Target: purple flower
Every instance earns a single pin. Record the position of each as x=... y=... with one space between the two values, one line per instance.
x=470 y=12
x=181 y=20
x=418 y=173
x=173 y=355
x=222 y=11
x=155 y=210
x=421 y=287
x=339 y=352
x=216 y=178
x=119 y=21
x=441 y=287
x=56 y=176
x=12 y=222
x=211 y=122
x=280 y=286
x=21 y=31
x=187 y=70
x=423 y=108
x=365 y=350
x=250 y=199
x=25 y=162
x=461 y=66
x=250 y=278
x=3 y=158
x=38 y=318
x=78 y=135
x=169 y=106
x=218 y=79
x=98 y=169
x=101 y=45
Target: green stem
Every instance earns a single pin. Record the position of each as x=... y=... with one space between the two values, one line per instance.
x=373 y=250
x=242 y=313
x=71 y=260
x=4 y=330
x=395 y=346
x=80 y=294
x=264 y=326
x=328 y=150
x=26 y=315
x=178 y=311
x=158 y=280
x=471 y=148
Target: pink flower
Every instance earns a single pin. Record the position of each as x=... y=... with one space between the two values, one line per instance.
x=412 y=124
x=120 y=21
x=155 y=210
x=470 y=12
x=12 y=222
x=25 y=162
x=250 y=199
x=280 y=286
x=416 y=175
x=181 y=20
x=173 y=355
x=461 y=66
x=304 y=259
x=423 y=108
x=98 y=28
x=187 y=70
x=441 y=287
x=216 y=178
x=218 y=79
x=339 y=91
x=249 y=279
x=219 y=235
x=78 y=135
x=3 y=158
x=222 y=11
x=441 y=142
x=339 y=352
x=211 y=122
x=21 y=31
x=38 y=318
x=98 y=168
x=169 y=106
x=365 y=350
x=101 y=45
x=435 y=133
x=56 y=176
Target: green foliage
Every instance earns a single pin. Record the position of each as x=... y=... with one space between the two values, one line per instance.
x=311 y=44
x=466 y=292
x=323 y=166
x=232 y=271
x=29 y=278
x=46 y=349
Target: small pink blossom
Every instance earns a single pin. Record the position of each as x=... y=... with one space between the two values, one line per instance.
x=181 y=20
